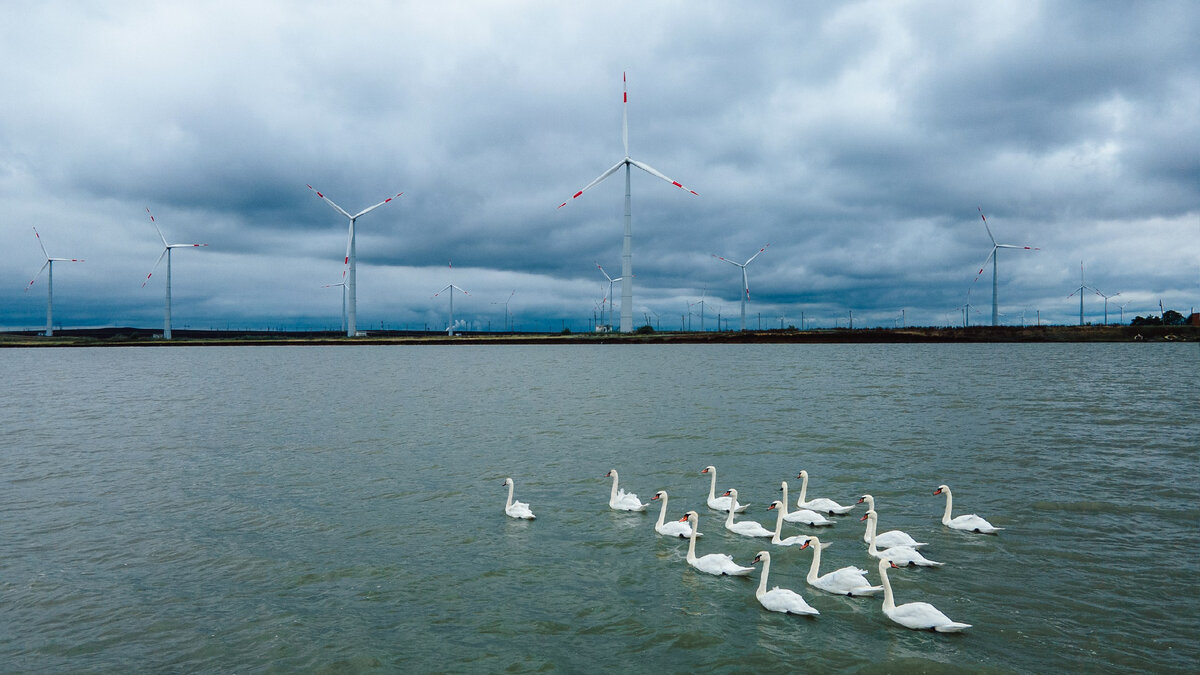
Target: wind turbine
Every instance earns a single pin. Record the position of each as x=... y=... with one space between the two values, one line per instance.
x=505 y=303
x=627 y=246
x=49 y=282
x=351 y=257
x=343 y=285
x=702 y=302
x=452 y=288
x=1079 y=290
x=745 y=282
x=992 y=256
x=1122 y=308
x=611 y=281
x=1106 y=297
x=167 y=253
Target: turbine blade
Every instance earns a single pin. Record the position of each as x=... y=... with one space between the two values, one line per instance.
x=756 y=254
x=592 y=184
x=156 y=264
x=372 y=208
x=655 y=172
x=604 y=273
x=39 y=273
x=746 y=282
x=1025 y=248
x=985 y=226
x=155 y=223
x=349 y=238
x=39 y=238
x=185 y=245
x=625 y=114
x=727 y=260
x=983 y=267
x=329 y=201
x=443 y=290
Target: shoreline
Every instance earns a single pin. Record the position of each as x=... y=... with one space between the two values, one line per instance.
x=142 y=337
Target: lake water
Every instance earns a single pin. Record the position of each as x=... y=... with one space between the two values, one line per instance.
x=341 y=508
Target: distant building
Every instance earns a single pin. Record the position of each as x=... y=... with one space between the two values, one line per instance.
x=1194 y=319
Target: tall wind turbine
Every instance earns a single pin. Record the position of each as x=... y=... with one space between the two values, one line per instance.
x=352 y=257
x=166 y=253
x=992 y=256
x=627 y=246
x=49 y=282
x=452 y=288
x=343 y=285
x=1079 y=290
x=611 y=281
x=745 y=282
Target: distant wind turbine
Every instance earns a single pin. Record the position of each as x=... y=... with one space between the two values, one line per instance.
x=505 y=303
x=745 y=282
x=451 y=288
x=1080 y=290
x=611 y=281
x=627 y=246
x=992 y=256
x=1106 y=297
x=1122 y=308
x=351 y=257
x=167 y=253
x=49 y=264
x=702 y=302
x=343 y=285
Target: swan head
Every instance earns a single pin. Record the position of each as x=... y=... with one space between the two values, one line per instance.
x=802 y=474
x=782 y=485
x=869 y=514
x=941 y=489
x=612 y=473
x=731 y=493
x=660 y=493
x=690 y=516
x=709 y=469
x=865 y=498
x=508 y=481
x=775 y=505
x=811 y=541
x=761 y=556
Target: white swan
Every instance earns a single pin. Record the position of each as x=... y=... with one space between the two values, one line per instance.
x=914 y=615
x=845 y=581
x=778 y=538
x=779 y=599
x=714 y=502
x=674 y=528
x=516 y=509
x=888 y=539
x=820 y=503
x=806 y=516
x=971 y=523
x=901 y=555
x=621 y=500
x=713 y=563
x=746 y=528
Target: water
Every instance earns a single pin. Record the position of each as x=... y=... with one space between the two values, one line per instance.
x=340 y=508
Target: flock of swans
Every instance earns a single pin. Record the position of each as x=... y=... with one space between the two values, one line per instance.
x=892 y=548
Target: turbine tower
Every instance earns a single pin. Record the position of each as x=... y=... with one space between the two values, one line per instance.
x=745 y=282
x=627 y=246
x=351 y=258
x=166 y=253
x=49 y=282
x=1079 y=290
x=992 y=256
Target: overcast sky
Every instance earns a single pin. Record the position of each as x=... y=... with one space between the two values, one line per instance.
x=857 y=139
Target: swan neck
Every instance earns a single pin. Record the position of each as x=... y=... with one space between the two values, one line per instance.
x=889 y=602
x=803 y=489
x=762 y=581
x=778 y=526
x=662 y=514
x=691 y=554
x=783 y=510
x=871 y=529
x=949 y=505
x=732 y=508
x=712 y=485
x=612 y=496
x=510 y=495
x=815 y=567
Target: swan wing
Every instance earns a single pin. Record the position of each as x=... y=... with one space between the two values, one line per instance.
x=825 y=506
x=722 y=504
x=893 y=538
x=720 y=563
x=783 y=600
x=847 y=581
x=675 y=528
x=750 y=529
x=973 y=523
x=922 y=616
x=626 y=501
x=519 y=510
x=808 y=517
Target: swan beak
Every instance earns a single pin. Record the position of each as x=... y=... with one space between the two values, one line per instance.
x=683 y=519
x=863 y=518
x=937 y=491
x=805 y=544
x=726 y=494
x=860 y=500
x=893 y=564
x=771 y=507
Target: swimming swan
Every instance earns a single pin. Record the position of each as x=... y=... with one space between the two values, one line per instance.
x=713 y=563
x=845 y=581
x=746 y=528
x=820 y=503
x=674 y=528
x=971 y=523
x=903 y=556
x=516 y=509
x=622 y=500
x=888 y=539
x=806 y=516
x=914 y=615
x=779 y=599
x=778 y=538
x=714 y=502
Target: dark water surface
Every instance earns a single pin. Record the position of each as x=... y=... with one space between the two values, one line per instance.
x=341 y=508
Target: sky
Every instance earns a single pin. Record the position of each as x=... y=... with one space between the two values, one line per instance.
x=861 y=140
